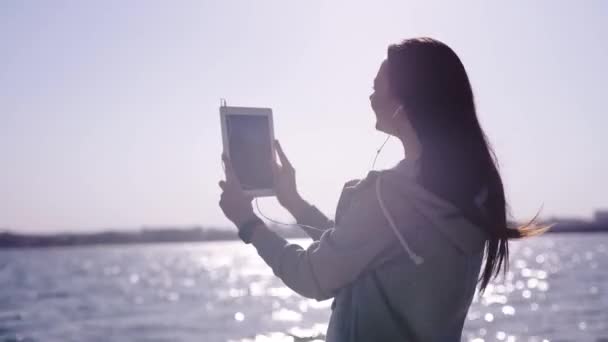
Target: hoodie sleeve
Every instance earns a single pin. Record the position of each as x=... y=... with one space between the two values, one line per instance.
x=338 y=257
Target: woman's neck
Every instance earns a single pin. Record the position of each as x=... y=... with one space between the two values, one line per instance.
x=406 y=133
x=411 y=148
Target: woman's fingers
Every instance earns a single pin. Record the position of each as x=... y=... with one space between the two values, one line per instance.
x=282 y=157
x=232 y=181
x=230 y=175
x=276 y=171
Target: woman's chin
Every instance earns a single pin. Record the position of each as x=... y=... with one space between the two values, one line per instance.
x=380 y=127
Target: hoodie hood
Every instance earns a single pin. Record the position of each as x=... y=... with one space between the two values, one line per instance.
x=398 y=185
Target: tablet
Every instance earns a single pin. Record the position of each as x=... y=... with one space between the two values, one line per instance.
x=248 y=137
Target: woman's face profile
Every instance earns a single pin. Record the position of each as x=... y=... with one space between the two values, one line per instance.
x=382 y=101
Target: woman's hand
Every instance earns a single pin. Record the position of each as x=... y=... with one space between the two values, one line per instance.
x=285 y=182
x=235 y=204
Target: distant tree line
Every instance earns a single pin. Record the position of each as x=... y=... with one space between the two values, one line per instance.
x=146 y=235
x=199 y=234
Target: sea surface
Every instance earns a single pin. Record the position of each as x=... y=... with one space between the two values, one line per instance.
x=556 y=290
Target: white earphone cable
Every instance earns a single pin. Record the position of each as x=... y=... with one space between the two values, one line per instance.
x=412 y=255
x=282 y=223
x=257 y=206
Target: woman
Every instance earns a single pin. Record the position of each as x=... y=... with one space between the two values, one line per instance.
x=403 y=258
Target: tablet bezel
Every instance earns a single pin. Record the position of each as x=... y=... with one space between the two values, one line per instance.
x=255 y=111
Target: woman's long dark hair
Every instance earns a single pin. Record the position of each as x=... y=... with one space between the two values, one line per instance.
x=431 y=83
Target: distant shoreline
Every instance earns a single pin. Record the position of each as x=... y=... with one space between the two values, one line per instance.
x=196 y=234
x=13 y=240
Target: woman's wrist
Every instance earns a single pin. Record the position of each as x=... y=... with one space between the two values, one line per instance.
x=247 y=228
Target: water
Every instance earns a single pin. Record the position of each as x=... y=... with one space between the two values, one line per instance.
x=556 y=290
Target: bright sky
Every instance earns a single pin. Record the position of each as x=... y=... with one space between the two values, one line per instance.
x=109 y=109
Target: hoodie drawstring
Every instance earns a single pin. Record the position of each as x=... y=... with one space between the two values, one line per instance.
x=413 y=256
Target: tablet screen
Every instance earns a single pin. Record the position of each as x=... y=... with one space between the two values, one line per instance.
x=250 y=150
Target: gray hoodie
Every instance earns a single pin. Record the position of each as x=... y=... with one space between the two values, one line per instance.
x=401 y=263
